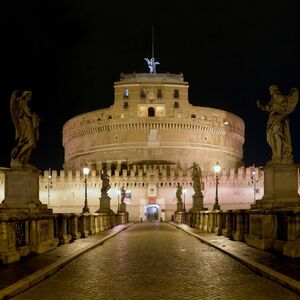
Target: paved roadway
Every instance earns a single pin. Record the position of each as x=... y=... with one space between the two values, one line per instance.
x=155 y=261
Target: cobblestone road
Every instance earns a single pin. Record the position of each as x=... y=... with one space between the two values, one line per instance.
x=155 y=261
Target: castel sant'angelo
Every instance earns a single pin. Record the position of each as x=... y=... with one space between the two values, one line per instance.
x=148 y=141
x=152 y=122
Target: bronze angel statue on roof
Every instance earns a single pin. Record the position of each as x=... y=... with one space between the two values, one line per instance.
x=151 y=64
x=26 y=124
x=278 y=131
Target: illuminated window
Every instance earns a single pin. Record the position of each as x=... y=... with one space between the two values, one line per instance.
x=151 y=112
x=159 y=93
x=143 y=93
x=126 y=93
x=176 y=93
x=176 y=104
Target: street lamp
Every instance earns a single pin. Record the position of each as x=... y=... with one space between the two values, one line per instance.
x=254 y=181
x=217 y=170
x=118 y=194
x=49 y=185
x=184 y=191
x=86 y=172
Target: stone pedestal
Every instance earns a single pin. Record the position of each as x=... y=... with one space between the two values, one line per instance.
x=197 y=203
x=123 y=207
x=27 y=224
x=273 y=220
x=280 y=187
x=104 y=205
x=21 y=187
x=179 y=206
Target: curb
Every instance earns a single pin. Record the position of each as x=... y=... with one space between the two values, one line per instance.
x=38 y=276
x=258 y=268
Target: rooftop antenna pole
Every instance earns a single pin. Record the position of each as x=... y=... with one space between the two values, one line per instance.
x=151 y=62
x=152 y=41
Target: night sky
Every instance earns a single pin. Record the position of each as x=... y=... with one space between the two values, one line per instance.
x=69 y=53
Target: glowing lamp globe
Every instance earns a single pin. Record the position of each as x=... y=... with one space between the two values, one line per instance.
x=86 y=171
x=217 y=168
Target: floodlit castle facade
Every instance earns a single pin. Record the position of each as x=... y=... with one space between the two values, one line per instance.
x=148 y=140
x=152 y=122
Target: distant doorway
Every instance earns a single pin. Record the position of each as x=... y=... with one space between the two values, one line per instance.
x=152 y=213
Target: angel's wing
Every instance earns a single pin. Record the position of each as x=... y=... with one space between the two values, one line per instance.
x=14 y=110
x=147 y=60
x=292 y=100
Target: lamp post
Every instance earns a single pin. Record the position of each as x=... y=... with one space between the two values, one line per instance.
x=86 y=172
x=217 y=170
x=254 y=181
x=183 y=191
x=49 y=185
x=118 y=194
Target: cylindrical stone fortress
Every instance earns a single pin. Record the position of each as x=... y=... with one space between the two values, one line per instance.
x=152 y=122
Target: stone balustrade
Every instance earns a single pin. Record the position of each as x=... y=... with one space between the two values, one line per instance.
x=277 y=230
x=70 y=227
x=20 y=236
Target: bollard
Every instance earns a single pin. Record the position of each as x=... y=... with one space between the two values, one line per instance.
x=160 y=219
x=141 y=220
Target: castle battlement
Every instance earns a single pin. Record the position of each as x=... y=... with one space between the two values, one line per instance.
x=64 y=190
x=142 y=175
x=157 y=174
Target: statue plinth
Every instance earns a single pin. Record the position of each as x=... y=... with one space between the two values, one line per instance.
x=22 y=188
x=179 y=206
x=104 y=205
x=22 y=211
x=280 y=187
x=197 y=203
x=122 y=207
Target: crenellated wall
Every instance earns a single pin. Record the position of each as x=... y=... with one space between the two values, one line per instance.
x=147 y=182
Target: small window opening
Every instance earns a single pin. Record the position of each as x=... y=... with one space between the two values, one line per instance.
x=143 y=93
x=126 y=93
x=159 y=93
x=151 y=112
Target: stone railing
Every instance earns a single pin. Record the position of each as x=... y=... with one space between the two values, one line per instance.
x=20 y=236
x=70 y=227
x=277 y=230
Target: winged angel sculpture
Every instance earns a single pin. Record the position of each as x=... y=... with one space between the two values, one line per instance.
x=278 y=132
x=151 y=64
x=26 y=124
